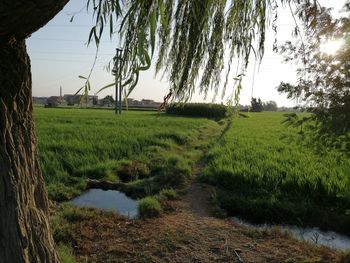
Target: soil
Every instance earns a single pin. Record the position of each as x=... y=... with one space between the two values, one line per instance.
x=186 y=236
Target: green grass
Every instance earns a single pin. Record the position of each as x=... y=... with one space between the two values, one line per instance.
x=265 y=170
x=75 y=144
x=149 y=207
x=269 y=175
x=65 y=254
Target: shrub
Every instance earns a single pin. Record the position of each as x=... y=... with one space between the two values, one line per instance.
x=211 y=111
x=99 y=171
x=132 y=170
x=168 y=194
x=149 y=207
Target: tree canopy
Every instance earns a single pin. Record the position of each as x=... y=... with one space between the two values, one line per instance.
x=324 y=77
x=194 y=40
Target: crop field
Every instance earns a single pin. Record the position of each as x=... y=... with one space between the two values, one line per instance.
x=75 y=144
x=264 y=171
x=269 y=174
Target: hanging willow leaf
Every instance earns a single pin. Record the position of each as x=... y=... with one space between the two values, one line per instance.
x=153 y=26
x=191 y=37
x=105 y=87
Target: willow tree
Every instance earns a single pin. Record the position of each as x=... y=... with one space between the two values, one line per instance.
x=191 y=38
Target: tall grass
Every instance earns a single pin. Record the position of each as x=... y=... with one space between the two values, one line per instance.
x=270 y=175
x=77 y=144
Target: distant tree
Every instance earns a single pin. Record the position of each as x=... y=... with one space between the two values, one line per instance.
x=270 y=106
x=324 y=78
x=256 y=105
x=108 y=101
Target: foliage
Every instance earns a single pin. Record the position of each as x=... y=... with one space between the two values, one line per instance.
x=175 y=172
x=149 y=207
x=63 y=218
x=268 y=174
x=171 y=171
x=85 y=91
x=212 y=111
x=323 y=78
x=75 y=144
x=270 y=106
x=132 y=170
x=108 y=101
x=296 y=121
x=168 y=194
x=65 y=254
x=187 y=35
x=256 y=105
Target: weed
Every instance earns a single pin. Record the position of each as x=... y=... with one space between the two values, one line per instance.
x=168 y=194
x=149 y=207
x=65 y=254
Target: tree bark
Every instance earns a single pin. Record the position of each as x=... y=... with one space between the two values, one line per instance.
x=20 y=18
x=25 y=235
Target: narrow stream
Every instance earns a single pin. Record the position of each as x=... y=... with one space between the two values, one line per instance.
x=313 y=235
x=110 y=200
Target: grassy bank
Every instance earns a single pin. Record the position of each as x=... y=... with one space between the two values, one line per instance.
x=268 y=175
x=147 y=152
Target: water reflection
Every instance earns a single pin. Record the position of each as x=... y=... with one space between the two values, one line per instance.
x=110 y=200
x=312 y=235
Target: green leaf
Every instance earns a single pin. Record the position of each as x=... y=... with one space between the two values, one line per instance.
x=79 y=90
x=105 y=87
x=153 y=26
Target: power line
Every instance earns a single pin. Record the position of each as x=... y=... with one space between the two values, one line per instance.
x=68 y=53
x=64 y=40
x=70 y=76
x=58 y=39
x=60 y=60
x=57 y=25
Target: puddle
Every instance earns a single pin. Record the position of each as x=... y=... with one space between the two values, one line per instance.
x=313 y=235
x=110 y=200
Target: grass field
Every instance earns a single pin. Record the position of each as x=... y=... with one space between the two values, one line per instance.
x=75 y=144
x=265 y=171
x=269 y=175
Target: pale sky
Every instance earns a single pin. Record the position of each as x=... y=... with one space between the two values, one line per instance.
x=59 y=55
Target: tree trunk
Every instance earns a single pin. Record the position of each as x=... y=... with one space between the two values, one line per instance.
x=25 y=234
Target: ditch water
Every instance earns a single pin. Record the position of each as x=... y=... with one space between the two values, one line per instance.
x=110 y=200
x=312 y=235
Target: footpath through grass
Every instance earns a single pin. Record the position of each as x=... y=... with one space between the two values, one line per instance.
x=269 y=176
x=138 y=148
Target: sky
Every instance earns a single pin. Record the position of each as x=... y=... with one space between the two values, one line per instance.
x=59 y=54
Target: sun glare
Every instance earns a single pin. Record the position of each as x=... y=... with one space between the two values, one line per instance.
x=331 y=47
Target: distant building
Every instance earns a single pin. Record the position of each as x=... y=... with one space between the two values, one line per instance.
x=131 y=101
x=147 y=102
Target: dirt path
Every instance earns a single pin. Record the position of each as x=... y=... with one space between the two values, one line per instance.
x=198 y=195
x=198 y=198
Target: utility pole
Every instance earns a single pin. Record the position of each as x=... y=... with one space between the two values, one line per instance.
x=117 y=72
x=120 y=80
